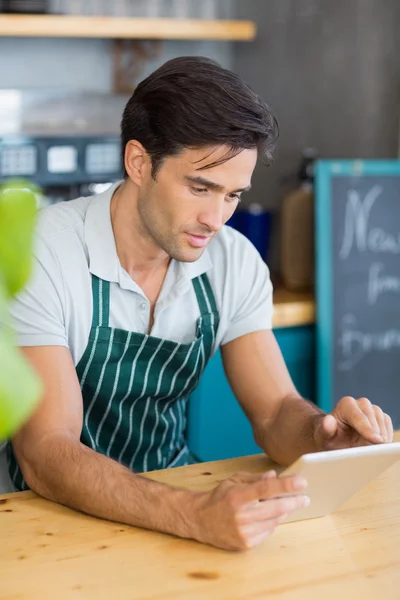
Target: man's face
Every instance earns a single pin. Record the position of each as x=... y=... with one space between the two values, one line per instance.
x=186 y=205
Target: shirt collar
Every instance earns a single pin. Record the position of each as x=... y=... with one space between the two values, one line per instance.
x=99 y=237
x=196 y=268
x=100 y=242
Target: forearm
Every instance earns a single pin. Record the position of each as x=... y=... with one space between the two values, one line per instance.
x=68 y=472
x=291 y=432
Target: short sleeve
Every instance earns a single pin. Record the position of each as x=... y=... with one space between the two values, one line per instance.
x=254 y=306
x=37 y=312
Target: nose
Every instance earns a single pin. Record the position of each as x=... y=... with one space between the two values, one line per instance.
x=212 y=215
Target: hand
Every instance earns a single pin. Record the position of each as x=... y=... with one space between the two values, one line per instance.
x=242 y=511
x=353 y=423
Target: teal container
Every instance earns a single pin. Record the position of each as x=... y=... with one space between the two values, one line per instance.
x=217 y=426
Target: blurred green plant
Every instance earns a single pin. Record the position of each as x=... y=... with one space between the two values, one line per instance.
x=20 y=387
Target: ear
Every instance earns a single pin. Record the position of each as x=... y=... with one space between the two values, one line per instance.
x=137 y=162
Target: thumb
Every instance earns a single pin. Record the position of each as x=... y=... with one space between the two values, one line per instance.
x=329 y=426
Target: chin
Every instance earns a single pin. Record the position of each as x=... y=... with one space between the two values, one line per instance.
x=188 y=256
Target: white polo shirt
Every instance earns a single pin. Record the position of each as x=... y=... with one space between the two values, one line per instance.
x=75 y=239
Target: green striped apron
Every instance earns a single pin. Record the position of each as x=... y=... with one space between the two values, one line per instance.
x=135 y=387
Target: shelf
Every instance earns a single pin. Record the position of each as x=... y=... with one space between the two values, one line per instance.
x=293 y=308
x=71 y=26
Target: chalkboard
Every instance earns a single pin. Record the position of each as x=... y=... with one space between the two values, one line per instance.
x=358 y=282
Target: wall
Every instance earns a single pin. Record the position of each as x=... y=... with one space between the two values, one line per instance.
x=329 y=70
x=331 y=73
x=82 y=64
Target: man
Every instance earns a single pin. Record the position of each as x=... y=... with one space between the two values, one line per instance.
x=133 y=291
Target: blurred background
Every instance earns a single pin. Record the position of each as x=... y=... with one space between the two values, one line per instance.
x=330 y=72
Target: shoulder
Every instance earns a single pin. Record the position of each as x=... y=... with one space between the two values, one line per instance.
x=229 y=241
x=238 y=271
x=242 y=286
x=57 y=219
x=60 y=244
x=233 y=252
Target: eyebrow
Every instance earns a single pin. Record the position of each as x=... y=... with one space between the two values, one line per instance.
x=212 y=185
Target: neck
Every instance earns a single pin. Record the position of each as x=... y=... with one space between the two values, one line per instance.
x=137 y=252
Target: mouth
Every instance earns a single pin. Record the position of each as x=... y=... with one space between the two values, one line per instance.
x=198 y=241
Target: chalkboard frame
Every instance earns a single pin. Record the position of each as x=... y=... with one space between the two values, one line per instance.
x=325 y=171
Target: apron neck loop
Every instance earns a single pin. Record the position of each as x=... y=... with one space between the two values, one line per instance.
x=101 y=302
x=204 y=295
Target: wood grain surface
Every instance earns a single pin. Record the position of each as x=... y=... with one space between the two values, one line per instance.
x=48 y=551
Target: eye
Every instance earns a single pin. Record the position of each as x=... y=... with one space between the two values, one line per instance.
x=198 y=190
x=234 y=197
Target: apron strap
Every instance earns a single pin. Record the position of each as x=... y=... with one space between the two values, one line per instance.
x=101 y=302
x=208 y=306
x=205 y=295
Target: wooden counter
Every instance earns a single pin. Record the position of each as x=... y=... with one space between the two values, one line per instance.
x=50 y=552
x=293 y=308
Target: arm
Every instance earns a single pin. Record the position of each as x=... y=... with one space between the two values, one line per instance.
x=57 y=466
x=283 y=422
x=285 y=425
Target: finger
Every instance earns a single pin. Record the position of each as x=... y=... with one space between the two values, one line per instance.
x=351 y=414
x=249 y=478
x=369 y=411
x=260 y=527
x=258 y=539
x=244 y=477
x=380 y=419
x=252 y=541
x=272 y=509
x=269 y=475
x=269 y=488
x=329 y=426
x=256 y=533
x=389 y=427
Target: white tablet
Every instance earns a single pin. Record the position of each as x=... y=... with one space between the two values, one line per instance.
x=336 y=475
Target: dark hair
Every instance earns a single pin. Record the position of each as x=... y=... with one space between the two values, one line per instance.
x=191 y=102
